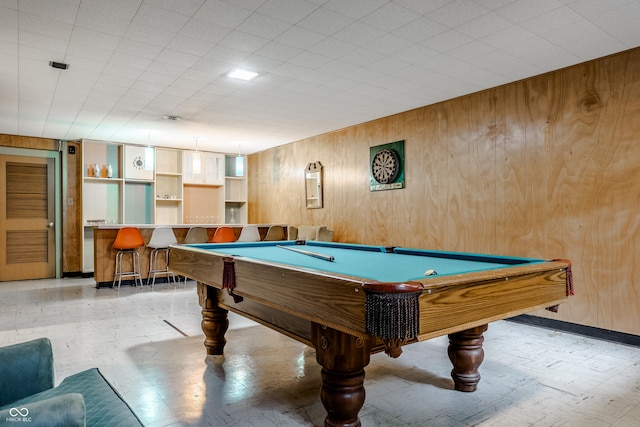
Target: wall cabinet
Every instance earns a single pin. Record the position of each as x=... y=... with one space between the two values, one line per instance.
x=202 y=167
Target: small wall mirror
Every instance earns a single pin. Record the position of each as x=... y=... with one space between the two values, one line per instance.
x=313 y=185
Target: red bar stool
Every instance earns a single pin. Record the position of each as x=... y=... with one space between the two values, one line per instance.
x=161 y=238
x=128 y=240
x=223 y=235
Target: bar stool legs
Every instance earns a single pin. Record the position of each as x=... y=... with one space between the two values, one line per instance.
x=153 y=266
x=135 y=268
x=161 y=239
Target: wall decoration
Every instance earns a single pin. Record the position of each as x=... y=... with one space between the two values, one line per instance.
x=313 y=185
x=386 y=166
x=138 y=162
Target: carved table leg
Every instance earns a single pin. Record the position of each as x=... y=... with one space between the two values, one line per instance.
x=466 y=354
x=343 y=358
x=214 y=319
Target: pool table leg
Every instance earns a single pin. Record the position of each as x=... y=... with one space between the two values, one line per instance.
x=343 y=358
x=466 y=354
x=214 y=319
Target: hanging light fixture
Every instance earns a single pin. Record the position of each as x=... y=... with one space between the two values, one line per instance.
x=197 y=162
x=239 y=163
x=148 y=155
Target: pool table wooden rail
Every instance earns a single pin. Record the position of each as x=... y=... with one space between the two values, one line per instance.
x=447 y=304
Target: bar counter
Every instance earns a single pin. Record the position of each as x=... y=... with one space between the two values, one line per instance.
x=105 y=234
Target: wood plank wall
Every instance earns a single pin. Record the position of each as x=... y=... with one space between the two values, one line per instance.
x=544 y=167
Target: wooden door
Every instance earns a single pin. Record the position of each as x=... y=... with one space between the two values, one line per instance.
x=27 y=237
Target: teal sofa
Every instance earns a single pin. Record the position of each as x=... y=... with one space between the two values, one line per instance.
x=28 y=396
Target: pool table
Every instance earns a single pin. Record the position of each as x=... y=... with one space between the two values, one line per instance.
x=349 y=301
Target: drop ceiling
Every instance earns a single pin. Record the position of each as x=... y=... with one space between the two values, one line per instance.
x=323 y=64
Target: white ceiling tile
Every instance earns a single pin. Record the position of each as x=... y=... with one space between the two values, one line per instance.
x=94 y=38
x=291 y=11
x=155 y=17
x=584 y=40
x=446 y=41
x=248 y=43
x=485 y=25
x=218 y=12
x=471 y=50
x=355 y=9
x=550 y=21
x=388 y=65
x=123 y=9
x=332 y=48
x=89 y=52
x=184 y=7
x=390 y=17
x=458 y=12
x=310 y=60
x=421 y=29
x=150 y=35
x=97 y=20
x=508 y=37
x=358 y=34
x=415 y=53
x=263 y=26
x=8 y=25
x=56 y=47
x=387 y=44
x=189 y=45
x=325 y=21
x=42 y=25
x=138 y=48
x=278 y=51
x=523 y=10
x=205 y=31
x=299 y=37
x=56 y=10
x=362 y=57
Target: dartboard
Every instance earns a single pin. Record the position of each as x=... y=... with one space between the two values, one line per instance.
x=385 y=166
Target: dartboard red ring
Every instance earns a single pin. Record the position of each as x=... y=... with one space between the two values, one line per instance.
x=385 y=166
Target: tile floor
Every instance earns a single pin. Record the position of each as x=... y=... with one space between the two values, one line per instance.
x=148 y=342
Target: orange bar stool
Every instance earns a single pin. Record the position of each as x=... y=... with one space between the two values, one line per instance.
x=161 y=238
x=128 y=240
x=223 y=235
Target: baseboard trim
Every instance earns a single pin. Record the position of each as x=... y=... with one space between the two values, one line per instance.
x=589 y=331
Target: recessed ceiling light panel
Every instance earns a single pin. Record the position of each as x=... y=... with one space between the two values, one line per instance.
x=242 y=74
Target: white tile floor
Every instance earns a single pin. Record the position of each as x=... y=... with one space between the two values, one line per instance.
x=149 y=344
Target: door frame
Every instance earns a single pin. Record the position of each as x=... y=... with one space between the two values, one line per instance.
x=57 y=192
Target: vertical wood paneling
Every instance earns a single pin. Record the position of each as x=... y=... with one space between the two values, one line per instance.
x=625 y=199
x=544 y=167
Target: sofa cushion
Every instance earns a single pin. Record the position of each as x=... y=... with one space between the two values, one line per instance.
x=25 y=369
x=104 y=405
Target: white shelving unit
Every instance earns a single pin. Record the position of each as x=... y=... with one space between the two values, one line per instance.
x=235 y=188
x=156 y=186
x=169 y=194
